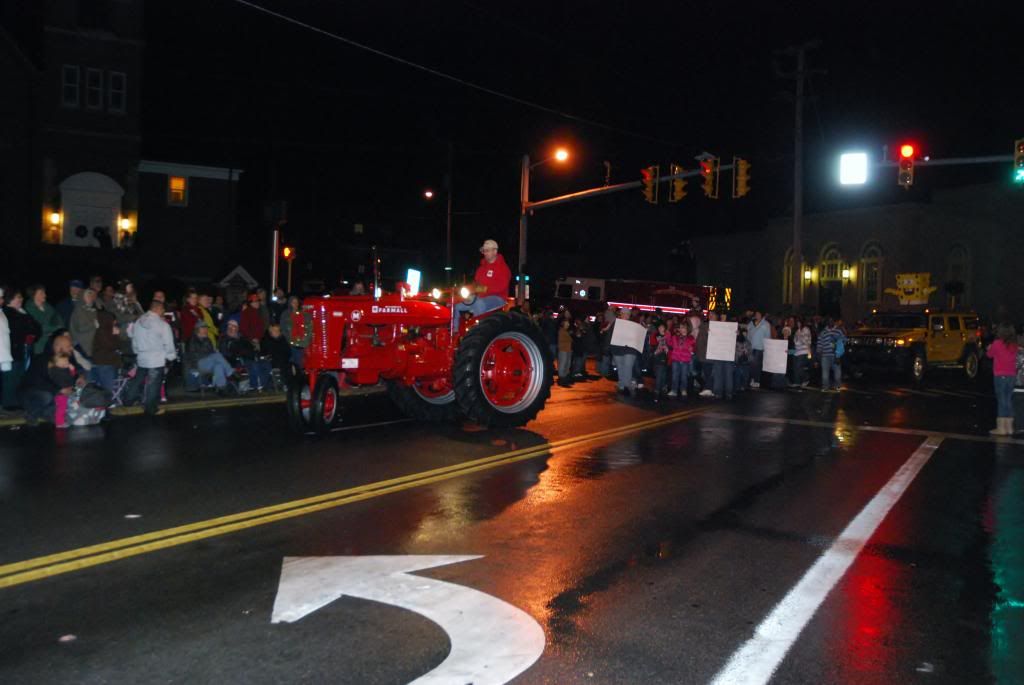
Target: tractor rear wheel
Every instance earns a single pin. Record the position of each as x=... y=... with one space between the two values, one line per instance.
x=325 y=407
x=423 y=403
x=503 y=371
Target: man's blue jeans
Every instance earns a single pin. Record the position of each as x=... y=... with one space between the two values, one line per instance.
x=483 y=303
x=830 y=363
x=150 y=392
x=103 y=376
x=216 y=365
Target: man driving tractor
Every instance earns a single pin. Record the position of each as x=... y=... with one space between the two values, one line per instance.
x=490 y=283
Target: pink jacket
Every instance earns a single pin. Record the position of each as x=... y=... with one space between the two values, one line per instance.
x=1004 y=358
x=681 y=348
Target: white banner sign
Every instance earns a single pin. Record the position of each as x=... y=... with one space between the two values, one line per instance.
x=775 y=354
x=722 y=341
x=628 y=334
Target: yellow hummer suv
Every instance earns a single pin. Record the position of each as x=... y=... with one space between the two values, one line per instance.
x=912 y=342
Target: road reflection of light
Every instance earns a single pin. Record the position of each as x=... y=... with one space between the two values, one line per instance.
x=867 y=616
x=1004 y=520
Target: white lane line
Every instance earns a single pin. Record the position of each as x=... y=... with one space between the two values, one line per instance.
x=869 y=429
x=757 y=659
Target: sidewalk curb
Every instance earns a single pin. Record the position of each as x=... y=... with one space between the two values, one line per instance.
x=215 y=403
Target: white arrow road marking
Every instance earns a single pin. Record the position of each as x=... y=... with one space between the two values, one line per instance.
x=492 y=641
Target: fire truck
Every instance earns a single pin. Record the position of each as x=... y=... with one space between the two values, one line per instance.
x=587 y=296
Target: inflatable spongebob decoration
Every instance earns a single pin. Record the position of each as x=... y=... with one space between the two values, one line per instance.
x=912 y=288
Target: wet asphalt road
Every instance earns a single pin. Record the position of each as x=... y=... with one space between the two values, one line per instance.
x=648 y=554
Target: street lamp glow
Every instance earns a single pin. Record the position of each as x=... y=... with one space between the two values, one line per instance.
x=428 y=193
x=561 y=154
x=124 y=223
x=853 y=168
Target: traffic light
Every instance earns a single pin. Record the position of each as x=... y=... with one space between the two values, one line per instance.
x=650 y=176
x=905 y=177
x=740 y=177
x=678 y=191
x=709 y=170
x=1018 y=162
x=288 y=253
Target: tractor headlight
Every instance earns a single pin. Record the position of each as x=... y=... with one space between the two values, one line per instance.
x=464 y=292
x=436 y=294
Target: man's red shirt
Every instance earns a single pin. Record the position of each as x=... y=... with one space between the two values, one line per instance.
x=494 y=275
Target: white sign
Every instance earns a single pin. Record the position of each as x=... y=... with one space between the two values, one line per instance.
x=722 y=341
x=628 y=334
x=775 y=354
x=491 y=641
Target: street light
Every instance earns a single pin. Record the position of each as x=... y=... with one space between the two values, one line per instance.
x=429 y=194
x=561 y=155
x=853 y=168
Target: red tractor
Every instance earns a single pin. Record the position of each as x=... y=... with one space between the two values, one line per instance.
x=494 y=369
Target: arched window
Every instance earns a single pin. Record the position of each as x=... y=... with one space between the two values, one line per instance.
x=831 y=264
x=871 y=272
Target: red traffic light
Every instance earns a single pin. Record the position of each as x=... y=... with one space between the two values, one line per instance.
x=907 y=151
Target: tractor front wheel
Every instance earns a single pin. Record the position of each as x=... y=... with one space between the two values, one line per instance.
x=325 y=407
x=503 y=371
x=299 y=403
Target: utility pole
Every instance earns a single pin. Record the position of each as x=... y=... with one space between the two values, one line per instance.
x=801 y=73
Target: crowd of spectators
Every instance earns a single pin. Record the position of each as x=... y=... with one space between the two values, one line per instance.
x=101 y=344
x=674 y=354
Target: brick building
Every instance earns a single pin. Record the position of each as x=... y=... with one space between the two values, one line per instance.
x=970 y=235
x=75 y=194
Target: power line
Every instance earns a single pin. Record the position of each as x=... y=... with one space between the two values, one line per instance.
x=455 y=79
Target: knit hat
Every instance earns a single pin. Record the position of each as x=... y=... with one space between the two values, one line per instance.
x=75 y=283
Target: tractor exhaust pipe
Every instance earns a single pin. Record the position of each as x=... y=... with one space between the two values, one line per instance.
x=376 y=272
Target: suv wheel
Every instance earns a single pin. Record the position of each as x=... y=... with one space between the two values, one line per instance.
x=971 y=365
x=918 y=364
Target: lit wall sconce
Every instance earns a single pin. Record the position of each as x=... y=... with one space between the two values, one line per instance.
x=55 y=218
x=807 y=274
x=846 y=273
x=124 y=223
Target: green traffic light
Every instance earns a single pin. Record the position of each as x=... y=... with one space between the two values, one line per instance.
x=1018 y=176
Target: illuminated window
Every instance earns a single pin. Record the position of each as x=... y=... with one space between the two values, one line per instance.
x=177 y=191
x=70 y=80
x=117 y=87
x=831 y=264
x=871 y=268
x=94 y=88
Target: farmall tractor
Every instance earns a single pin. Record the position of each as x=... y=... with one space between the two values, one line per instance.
x=494 y=369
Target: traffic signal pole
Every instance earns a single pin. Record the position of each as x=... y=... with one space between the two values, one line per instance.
x=524 y=207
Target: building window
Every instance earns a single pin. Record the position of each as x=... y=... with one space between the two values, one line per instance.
x=94 y=88
x=871 y=268
x=831 y=264
x=70 y=80
x=177 y=191
x=117 y=87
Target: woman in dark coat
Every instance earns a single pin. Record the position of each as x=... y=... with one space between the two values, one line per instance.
x=24 y=333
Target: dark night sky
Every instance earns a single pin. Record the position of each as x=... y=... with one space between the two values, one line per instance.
x=348 y=136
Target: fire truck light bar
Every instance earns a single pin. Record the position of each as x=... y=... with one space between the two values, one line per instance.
x=650 y=308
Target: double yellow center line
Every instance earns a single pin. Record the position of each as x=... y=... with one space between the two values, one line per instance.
x=29 y=570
